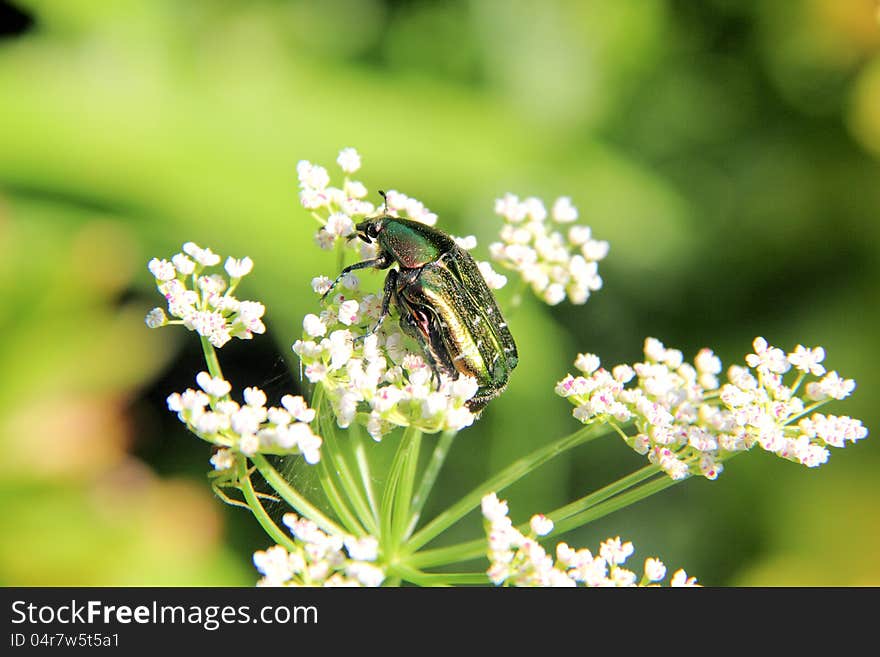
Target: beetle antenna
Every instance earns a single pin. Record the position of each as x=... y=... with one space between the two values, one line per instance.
x=384 y=198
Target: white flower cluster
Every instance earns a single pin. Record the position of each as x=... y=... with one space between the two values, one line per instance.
x=211 y=414
x=518 y=560
x=338 y=209
x=555 y=256
x=319 y=560
x=207 y=306
x=687 y=424
x=377 y=380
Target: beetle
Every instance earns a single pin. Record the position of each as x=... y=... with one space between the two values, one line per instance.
x=443 y=301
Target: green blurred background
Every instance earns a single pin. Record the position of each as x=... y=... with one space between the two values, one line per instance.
x=729 y=151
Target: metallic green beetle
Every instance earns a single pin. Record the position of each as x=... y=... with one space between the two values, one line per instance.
x=444 y=303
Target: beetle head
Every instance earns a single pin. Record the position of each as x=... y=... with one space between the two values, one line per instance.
x=369 y=230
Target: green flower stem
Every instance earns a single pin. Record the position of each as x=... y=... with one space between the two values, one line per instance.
x=429 y=478
x=388 y=496
x=437 y=579
x=503 y=479
x=254 y=504
x=807 y=410
x=460 y=552
x=211 y=358
x=335 y=499
x=475 y=549
x=615 y=503
x=403 y=497
x=300 y=504
x=605 y=493
x=329 y=450
x=363 y=462
x=337 y=460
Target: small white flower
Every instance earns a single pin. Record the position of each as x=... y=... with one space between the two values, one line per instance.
x=493 y=508
x=494 y=280
x=161 y=269
x=510 y=208
x=836 y=387
x=325 y=239
x=204 y=257
x=156 y=318
x=253 y=396
x=298 y=408
x=587 y=363
x=767 y=358
x=362 y=549
x=541 y=525
x=237 y=268
x=183 y=264
x=249 y=444
x=534 y=208
x=654 y=569
x=467 y=243
x=223 y=459
x=348 y=312
x=349 y=160
x=614 y=552
x=808 y=360
x=214 y=386
x=563 y=211
x=654 y=350
x=680 y=578
x=339 y=225
x=554 y=294
x=313 y=326
x=321 y=284
x=311 y=176
x=579 y=235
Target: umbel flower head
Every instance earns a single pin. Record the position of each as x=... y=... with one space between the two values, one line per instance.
x=319 y=559
x=688 y=423
x=203 y=301
x=247 y=428
x=556 y=257
x=516 y=559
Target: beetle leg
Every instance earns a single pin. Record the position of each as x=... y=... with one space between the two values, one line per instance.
x=414 y=322
x=384 y=261
x=387 y=293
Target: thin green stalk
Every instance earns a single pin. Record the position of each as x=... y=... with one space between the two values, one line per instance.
x=403 y=497
x=340 y=255
x=338 y=505
x=502 y=480
x=350 y=486
x=300 y=504
x=211 y=358
x=614 y=504
x=438 y=579
x=429 y=478
x=604 y=493
x=250 y=495
x=329 y=465
x=363 y=462
x=459 y=552
x=477 y=548
x=388 y=495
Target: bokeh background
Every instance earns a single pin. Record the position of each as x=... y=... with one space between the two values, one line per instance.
x=728 y=150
